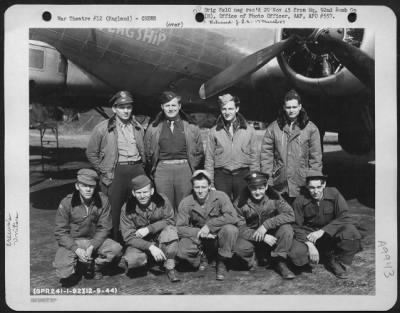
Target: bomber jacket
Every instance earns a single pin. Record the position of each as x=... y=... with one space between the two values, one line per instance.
x=102 y=150
x=73 y=222
x=216 y=212
x=159 y=214
x=225 y=151
x=194 y=144
x=272 y=212
x=329 y=215
x=287 y=155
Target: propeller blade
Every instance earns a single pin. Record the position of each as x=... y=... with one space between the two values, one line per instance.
x=248 y=65
x=355 y=60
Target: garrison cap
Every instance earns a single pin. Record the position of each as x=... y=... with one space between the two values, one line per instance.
x=121 y=97
x=204 y=173
x=167 y=96
x=256 y=178
x=314 y=174
x=140 y=182
x=87 y=176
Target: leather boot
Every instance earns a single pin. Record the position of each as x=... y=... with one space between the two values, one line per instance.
x=336 y=268
x=221 y=268
x=172 y=276
x=203 y=262
x=283 y=270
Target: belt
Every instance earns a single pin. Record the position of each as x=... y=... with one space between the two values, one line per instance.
x=173 y=161
x=130 y=162
x=233 y=172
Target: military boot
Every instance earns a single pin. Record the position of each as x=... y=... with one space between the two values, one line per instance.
x=282 y=269
x=173 y=278
x=221 y=268
x=336 y=268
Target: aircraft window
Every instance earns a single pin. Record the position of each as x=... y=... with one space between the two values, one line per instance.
x=36 y=58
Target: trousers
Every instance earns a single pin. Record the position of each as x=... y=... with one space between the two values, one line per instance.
x=246 y=249
x=230 y=183
x=190 y=249
x=66 y=260
x=167 y=241
x=173 y=180
x=337 y=245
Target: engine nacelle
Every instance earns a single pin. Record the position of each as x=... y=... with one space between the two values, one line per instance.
x=313 y=69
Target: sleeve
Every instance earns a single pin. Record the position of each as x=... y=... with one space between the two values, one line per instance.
x=63 y=228
x=285 y=215
x=228 y=216
x=93 y=149
x=104 y=225
x=245 y=232
x=168 y=219
x=315 y=157
x=128 y=230
x=183 y=222
x=210 y=151
x=147 y=148
x=300 y=232
x=341 y=216
x=267 y=154
x=199 y=148
x=254 y=151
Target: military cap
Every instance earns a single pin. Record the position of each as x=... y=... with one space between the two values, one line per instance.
x=256 y=178
x=121 y=97
x=204 y=173
x=140 y=182
x=87 y=176
x=167 y=96
x=314 y=174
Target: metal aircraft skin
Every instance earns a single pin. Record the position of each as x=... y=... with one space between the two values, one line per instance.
x=86 y=64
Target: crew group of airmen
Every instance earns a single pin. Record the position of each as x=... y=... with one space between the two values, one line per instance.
x=148 y=199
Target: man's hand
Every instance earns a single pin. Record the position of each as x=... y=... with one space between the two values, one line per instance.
x=81 y=253
x=270 y=240
x=211 y=236
x=89 y=252
x=142 y=232
x=203 y=232
x=313 y=252
x=314 y=236
x=157 y=253
x=259 y=234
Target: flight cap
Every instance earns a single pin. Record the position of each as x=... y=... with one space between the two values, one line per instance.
x=140 y=182
x=204 y=173
x=167 y=96
x=255 y=178
x=121 y=97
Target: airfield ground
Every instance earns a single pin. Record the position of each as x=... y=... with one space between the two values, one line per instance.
x=53 y=176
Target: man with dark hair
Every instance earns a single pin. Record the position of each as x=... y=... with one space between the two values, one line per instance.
x=174 y=149
x=264 y=225
x=290 y=147
x=83 y=222
x=147 y=226
x=205 y=223
x=231 y=148
x=116 y=151
x=323 y=228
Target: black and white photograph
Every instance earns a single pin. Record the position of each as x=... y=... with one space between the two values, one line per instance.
x=230 y=151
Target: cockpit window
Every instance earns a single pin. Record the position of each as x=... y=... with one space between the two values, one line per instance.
x=36 y=58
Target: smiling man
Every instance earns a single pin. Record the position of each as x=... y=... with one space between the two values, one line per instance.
x=147 y=226
x=206 y=222
x=323 y=228
x=83 y=222
x=174 y=149
x=264 y=225
x=231 y=148
x=116 y=151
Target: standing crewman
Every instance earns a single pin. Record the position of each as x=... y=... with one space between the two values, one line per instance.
x=174 y=149
x=231 y=148
x=324 y=228
x=291 y=146
x=264 y=225
x=148 y=228
x=206 y=222
x=116 y=151
x=83 y=222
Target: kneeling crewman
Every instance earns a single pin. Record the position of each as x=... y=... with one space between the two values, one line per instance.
x=264 y=228
x=206 y=221
x=147 y=227
x=83 y=222
x=323 y=228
